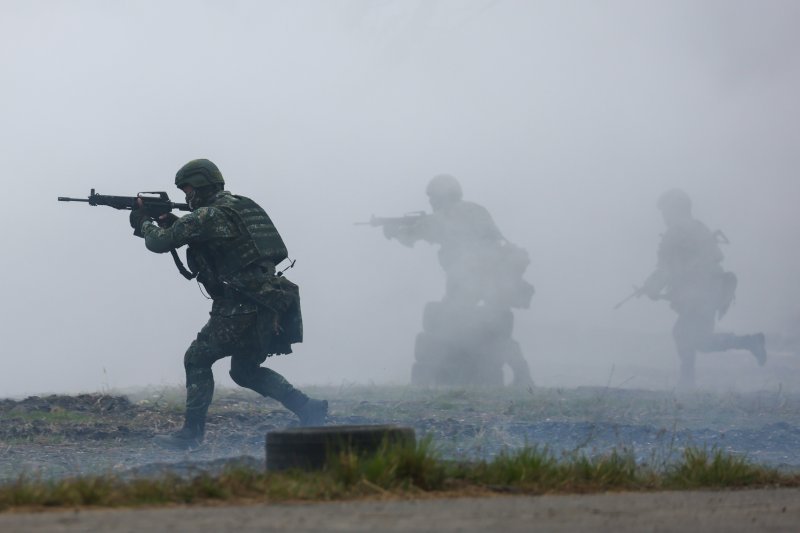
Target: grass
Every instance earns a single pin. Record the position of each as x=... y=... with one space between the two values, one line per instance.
x=701 y=468
x=466 y=424
x=403 y=471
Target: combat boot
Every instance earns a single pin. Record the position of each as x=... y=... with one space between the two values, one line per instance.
x=187 y=438
x=313 y=413
x=757 y=345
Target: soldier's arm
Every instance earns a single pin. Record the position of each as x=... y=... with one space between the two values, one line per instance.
x=404 y=235
x=655 y=283
x=658 y=280
x=480 y=223
x=186 y=230
x=421 y=228
x=486 y=226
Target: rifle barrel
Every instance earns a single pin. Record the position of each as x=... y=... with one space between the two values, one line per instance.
x=65 y=199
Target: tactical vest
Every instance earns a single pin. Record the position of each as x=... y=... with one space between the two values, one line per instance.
x=252 y=240
x=258 y=239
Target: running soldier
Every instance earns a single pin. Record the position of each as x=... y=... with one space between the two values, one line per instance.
x=690 y=276
x=233 y=249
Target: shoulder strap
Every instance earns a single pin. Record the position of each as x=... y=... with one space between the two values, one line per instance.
x=182 y=269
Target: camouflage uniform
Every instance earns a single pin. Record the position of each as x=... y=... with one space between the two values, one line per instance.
x=689 y=274
x=483 y=282
x=233 y=250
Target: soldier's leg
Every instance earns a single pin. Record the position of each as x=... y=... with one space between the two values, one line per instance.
x=519 y=366
x=208 y=347
x=246 y=371
x=685 y=335
x=720 y=342
x=704 y=317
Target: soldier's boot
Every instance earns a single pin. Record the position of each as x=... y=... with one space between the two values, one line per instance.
x=310 y=411
x=757 y=345
x=188 y=437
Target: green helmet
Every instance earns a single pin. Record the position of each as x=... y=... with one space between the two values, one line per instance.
x=675 y=200
x=198 y=173
x=444 y=187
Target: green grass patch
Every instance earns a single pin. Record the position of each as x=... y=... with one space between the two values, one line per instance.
x=398 y=466
x=402 y=470
x=703 y=468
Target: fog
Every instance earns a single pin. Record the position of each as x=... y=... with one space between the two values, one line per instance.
x=566 y=120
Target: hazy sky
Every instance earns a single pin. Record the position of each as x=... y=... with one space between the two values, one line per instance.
x=565 y=119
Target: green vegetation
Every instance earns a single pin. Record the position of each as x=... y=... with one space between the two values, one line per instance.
x=105 y=438
x=715 y=469
x=402 y=471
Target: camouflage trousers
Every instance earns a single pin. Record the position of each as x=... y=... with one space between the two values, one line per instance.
x=694 y=332
x=235 y=337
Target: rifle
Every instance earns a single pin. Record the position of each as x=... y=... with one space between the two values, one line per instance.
x=408 y=219
x=154 y=206
x=637 y=293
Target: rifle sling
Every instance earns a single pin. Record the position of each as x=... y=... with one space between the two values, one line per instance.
x=182 y=269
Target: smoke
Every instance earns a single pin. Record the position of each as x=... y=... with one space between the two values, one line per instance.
x=565 y=120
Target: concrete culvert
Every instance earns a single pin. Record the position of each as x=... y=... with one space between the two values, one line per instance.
x=308 y=448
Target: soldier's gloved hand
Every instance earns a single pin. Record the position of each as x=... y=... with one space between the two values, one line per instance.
x=390 y=231
x=167 y=220
x=651 y=291
x=137 y=218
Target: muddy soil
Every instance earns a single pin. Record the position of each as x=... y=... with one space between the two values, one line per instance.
x=59 y=436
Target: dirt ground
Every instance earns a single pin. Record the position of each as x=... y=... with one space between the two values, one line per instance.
x=711 y=511
x=59 y=436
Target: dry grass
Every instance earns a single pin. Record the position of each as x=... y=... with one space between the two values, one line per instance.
x=401 y=471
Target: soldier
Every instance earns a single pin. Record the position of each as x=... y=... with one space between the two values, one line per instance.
x=690 y=276
x=233 y=249
x=471 y=327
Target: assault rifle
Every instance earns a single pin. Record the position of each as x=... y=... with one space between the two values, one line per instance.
x=638 y=292
x=407 y=220
x=155 y=205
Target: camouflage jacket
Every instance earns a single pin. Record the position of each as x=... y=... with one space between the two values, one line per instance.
x=464 y=230
x=473 y=253
x=213 y=234
x=689 y=265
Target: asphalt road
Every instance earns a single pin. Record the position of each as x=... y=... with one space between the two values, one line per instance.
x=707 y=511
